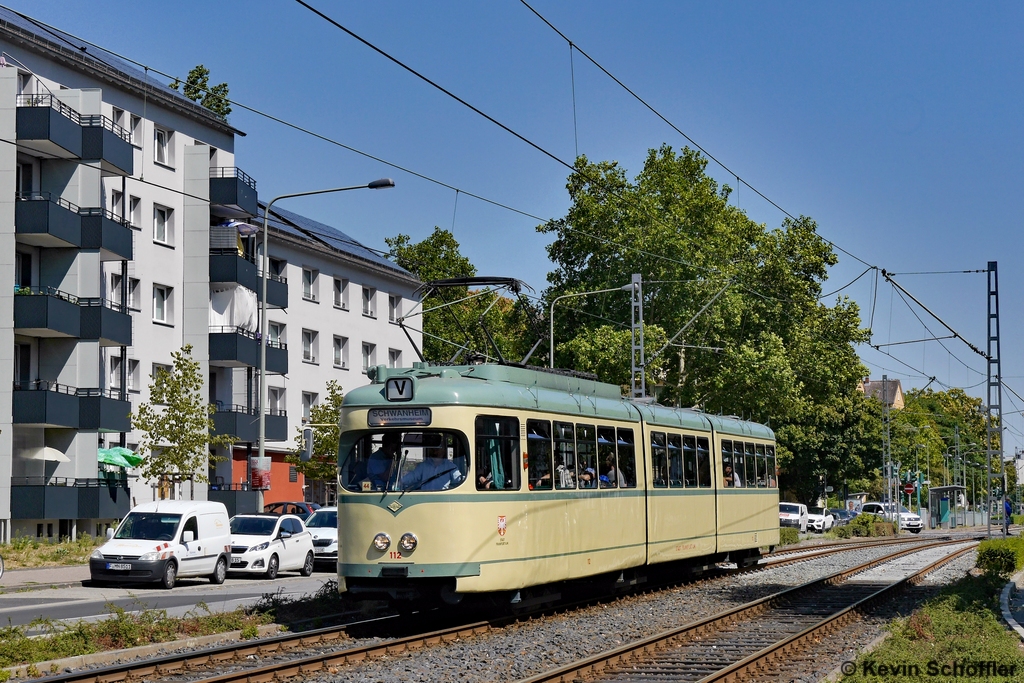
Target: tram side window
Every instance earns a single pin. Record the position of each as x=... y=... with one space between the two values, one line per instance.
x=762 y=474
x=690 y=461
x=737 y=464
x=627 y=459
x=728 y=474
x=497 y=453
x=606 y=470
x=675 y=460
x=586 y=456
x=751 y=467
x=565 y=456
x=659 y=459
x=538 y=451
x=773 y=482
x=703 y=463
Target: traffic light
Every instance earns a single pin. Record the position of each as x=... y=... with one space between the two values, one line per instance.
x=307 y=445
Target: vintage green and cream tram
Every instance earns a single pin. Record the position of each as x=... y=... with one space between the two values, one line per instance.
x=483 y=479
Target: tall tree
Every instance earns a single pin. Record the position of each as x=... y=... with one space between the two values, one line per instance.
x=198 y=89
x=767 y=348
x=323 y=464
x=450 y=322
x=175 y=423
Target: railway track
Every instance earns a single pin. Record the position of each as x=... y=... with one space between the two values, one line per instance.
x=743 y=643
x=330 y=642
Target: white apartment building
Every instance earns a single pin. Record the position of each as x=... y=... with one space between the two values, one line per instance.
x=114 y=191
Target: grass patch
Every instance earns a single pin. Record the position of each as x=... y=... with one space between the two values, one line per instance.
x=122 y=629
x=960 y=626
x=24 y=552
x=311 y=611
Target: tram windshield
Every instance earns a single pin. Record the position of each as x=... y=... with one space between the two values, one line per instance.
x=425 y=460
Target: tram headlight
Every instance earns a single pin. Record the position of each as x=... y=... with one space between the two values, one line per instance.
x=408 y=542
x=382 y=541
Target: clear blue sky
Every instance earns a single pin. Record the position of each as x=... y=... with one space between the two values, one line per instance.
x=897 y=126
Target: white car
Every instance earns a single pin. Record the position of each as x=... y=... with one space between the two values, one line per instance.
x=820 y=520
x=323 y=524
x=793 y=515
x=266 y=544
x=908 y=520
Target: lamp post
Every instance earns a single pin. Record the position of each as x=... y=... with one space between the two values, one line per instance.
x=917 y=466
x=381 y=184
x=551 y=315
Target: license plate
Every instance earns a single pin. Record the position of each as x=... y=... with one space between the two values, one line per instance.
x=121 y=567
x=236 y=560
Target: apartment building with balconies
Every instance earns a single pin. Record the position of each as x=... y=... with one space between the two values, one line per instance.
x=124 y=235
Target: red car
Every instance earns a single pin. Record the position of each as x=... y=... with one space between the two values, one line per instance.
x=301 y=510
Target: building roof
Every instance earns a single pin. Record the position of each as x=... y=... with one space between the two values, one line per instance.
x=324 y=236
x=893 y=391
x=80 y=56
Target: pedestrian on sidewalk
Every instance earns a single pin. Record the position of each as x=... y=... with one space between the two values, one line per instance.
x=1007 y=513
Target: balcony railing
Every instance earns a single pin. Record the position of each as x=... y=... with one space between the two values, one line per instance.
x=232 y=172
x=231 y=329
x=242 y=410
x=78 y=482
x=46 y=197
x=45 y=385
x=95 y=301
x=109 y=215
x=100 y=121
x=232 y=252
x=47 y=291
x=272 y=276
x=51 y=102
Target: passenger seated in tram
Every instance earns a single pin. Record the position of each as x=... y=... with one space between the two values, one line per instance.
x=731 y=478
x=588 y=478
x=381 y=462
x=435 y=473
x=612 y=477
x=565 y=478
x=484 y=480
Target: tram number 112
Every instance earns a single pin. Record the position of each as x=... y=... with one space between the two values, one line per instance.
x=395 y=555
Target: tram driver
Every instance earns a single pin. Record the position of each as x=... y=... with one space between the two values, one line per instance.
x=435 y=473
x=382 y=461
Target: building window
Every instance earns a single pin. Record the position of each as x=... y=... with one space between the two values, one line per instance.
x=133 y=294
x=136 y=130
x=368 y=296
x=117 y=116
x=117 y=203
x=308 y=401
x=133 y=375
x=341 y=293
x=369 y=352
x=394 y=358
x=309 y=344
x=162 y=304
x=275 y=399
x=157 y=367
x=341 y=352
x=163 y=151
x=115 y=372
x=135 y=212
x=275 y=332
x=114 y=295
x=162 y=225
x=308 y=284
x=394 y=308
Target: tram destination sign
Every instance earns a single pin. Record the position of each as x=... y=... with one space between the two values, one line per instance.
x=392 y=417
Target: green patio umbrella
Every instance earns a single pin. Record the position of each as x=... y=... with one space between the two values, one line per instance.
x=118 y=456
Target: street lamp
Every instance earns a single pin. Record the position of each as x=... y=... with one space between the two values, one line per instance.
x=551 y=315
x=381 y=184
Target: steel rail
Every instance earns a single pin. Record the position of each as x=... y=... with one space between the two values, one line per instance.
x=596 y=665
x=220 y=654
x=752 y=664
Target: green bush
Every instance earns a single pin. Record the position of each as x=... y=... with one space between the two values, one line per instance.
x=842 y=532
x=863 y=524
x=788 y=536
x=1018 y=520
x=1001 y=557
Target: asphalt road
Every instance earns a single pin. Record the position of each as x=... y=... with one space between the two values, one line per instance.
x=87 y=602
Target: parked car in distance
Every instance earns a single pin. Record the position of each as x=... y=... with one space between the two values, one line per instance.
x=793 y=515
x=266 y=544
x=907 y=519
x=323 y=524
x=300 y=510
x=841 y=516
x=166 y=540
x=820 y=520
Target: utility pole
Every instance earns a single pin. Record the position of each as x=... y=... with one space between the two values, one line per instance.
x=994 y=405
x=639 y=379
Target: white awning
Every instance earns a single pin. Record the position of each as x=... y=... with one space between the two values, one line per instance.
x=46 y=453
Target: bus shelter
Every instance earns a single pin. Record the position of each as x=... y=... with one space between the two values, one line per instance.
x=943 y=502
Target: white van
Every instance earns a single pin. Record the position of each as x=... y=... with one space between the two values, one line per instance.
x=165 y=540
